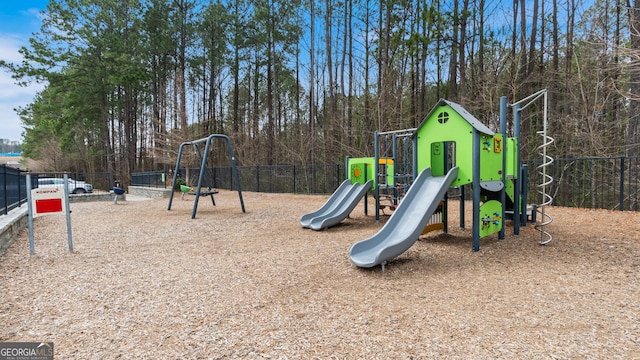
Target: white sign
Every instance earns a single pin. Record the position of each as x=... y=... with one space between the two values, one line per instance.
x=48 y=200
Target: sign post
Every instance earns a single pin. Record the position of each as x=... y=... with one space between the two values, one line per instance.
x=48 y=201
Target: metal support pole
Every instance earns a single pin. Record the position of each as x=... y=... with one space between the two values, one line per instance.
x=394 y=156
x=621 y=199
x=516 y=183
x=6 y=198
x=376 y=161
x=462 y=198
x=68 y=212
x=503 y=131
x=524 y=176
x=414 y=170
x=346 y=167
x=32 y=249
x=366 y=195
x=175 y=174
x=476 y=190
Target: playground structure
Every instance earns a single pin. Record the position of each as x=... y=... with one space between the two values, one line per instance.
x=204 y=179
x=413 y=169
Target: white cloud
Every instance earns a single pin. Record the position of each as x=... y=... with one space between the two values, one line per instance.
x=9 y=46
x=12 y=96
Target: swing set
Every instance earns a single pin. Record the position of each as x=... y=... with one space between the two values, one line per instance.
x=202 y=178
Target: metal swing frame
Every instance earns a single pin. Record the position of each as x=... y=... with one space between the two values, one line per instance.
x=203 y=167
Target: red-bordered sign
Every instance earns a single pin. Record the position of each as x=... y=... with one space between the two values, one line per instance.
x=48 y=201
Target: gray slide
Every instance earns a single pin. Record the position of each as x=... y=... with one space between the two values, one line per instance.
x=338 y=207
x=406 y=223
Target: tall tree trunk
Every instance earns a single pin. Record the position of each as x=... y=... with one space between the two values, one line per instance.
x=514 y=44
x=454 y=60
x=312 y=84
x=349 y=27
x=633 y=130
x=367 y=51
x=522 y=64
x=330 y=98
x=569 y=53
x=532 y=39
x=481 y=36
x=270 y=90
x=462 y=62
x=235 y=69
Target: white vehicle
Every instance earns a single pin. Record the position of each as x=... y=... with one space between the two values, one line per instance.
x=74 y=186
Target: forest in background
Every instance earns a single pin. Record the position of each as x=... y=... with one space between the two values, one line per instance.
x=10 y=146
x=302 y=82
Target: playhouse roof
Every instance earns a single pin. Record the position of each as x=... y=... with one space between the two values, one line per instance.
x=479 y=126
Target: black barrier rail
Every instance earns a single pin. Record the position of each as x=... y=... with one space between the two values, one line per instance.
x=598 y=183
x=13 y=189
x=291 y=179
x=592 y=183
x=149 y=179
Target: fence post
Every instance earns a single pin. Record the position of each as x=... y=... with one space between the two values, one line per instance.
x=294 y=179
x=621 y=207
x=19 y=190
x=257 y=178
x=6 y=194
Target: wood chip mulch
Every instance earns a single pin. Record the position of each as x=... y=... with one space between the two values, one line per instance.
x=147 y=283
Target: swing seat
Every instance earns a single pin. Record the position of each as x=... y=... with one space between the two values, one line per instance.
x=204 y=192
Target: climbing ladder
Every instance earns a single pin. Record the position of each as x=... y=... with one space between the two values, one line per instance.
x=545 y=179
x=394 y=167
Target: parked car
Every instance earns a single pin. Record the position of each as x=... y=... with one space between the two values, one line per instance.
x=74 y=186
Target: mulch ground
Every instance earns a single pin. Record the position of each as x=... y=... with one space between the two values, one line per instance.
x=144 y=282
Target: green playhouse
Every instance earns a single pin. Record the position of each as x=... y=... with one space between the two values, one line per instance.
x=413 y=171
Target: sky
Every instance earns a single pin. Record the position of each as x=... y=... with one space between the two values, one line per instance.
x=18 y=20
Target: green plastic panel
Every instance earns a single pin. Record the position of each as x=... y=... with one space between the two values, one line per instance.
x=512 y=158
x=362 y=170
x=510 y=188
x=356 y=173
x=490 y=218
x=438 y=151
x=357 y=168
x=491 y=148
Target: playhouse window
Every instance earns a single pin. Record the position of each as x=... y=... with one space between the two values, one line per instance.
x=443 y=117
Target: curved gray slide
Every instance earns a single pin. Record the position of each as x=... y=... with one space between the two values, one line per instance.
x=338 y=207
x=343 y=209
x=333 y=201
x=406 y=223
